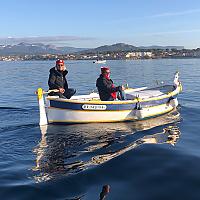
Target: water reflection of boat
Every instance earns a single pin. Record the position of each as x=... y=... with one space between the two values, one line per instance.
x=169 y=135
x=70 y=149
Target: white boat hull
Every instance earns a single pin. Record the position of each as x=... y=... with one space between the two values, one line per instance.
x=57 y=115
x=99 y=61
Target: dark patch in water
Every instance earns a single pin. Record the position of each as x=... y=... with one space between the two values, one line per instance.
x=14 y=128
x=13 y=108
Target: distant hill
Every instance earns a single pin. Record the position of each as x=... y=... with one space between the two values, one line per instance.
x=111 y=48
x=162 y=47
x=126 y=47
x=36 y=49
x=71 y=49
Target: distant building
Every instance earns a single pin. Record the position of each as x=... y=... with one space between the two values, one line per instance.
x=197 y=54
x=139 y=54
x=148 y=54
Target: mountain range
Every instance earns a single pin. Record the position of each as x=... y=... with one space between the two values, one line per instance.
x=35 y=49
x=39 y=48
x=126 y=47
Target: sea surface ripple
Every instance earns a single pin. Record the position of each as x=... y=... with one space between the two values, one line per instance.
x=153 y=159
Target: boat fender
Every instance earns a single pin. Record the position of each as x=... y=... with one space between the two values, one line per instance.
x=138 y=105
x=170 y=98
x=173 y=102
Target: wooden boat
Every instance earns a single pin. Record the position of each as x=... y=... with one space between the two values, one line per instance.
x=140 y=104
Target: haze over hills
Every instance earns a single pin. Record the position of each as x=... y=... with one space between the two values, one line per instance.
x=36 y=49
x=126 y=47
x=39 y=48
x=162 y=47
x=112 y=48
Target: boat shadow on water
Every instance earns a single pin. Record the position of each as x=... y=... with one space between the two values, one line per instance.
x=66 y=150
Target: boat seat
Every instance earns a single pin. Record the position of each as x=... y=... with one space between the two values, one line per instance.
x=143 y=94
x=148 y=93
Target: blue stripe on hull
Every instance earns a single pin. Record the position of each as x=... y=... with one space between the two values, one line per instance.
x=109 y=107
x=78 y=106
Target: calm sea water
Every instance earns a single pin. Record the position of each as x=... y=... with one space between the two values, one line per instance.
x=154 y=159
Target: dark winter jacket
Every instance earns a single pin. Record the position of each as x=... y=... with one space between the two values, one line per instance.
x=105 y=88
x=57 y=79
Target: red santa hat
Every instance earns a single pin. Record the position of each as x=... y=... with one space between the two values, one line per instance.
x=105 y=69
x=58 y=62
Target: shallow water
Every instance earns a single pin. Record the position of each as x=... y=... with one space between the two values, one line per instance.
x=152 y=159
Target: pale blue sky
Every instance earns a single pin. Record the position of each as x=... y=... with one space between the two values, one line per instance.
x=91 y=23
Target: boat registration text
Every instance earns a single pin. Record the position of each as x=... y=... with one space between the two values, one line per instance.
x=93 y=107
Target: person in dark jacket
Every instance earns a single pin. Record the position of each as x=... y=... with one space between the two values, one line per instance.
x=57 y=80
x=107 y=90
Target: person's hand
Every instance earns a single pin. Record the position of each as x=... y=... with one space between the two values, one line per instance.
x=123 y=88
x=61 y=90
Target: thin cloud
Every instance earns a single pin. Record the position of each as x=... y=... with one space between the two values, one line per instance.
x=172 y=32
x=160 y=15
x=42 y=39
x=169 y=14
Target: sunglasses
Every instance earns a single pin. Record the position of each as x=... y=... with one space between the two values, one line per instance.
x=60 y=65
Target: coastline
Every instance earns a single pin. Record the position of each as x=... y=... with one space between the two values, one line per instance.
x=13 y=58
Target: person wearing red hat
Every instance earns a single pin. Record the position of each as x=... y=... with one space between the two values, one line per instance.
x=107 y=90
x=57 y=80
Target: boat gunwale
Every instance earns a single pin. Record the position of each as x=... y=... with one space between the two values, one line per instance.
x=136 y=100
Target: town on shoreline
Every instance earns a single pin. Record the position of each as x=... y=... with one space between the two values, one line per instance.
x=110 y=55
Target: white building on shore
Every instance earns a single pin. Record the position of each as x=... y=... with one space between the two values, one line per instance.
x=139 y=54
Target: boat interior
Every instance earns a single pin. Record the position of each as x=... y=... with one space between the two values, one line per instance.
x=130 y=93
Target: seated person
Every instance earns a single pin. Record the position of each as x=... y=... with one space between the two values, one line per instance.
x=57 y=80
x=107 y=90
